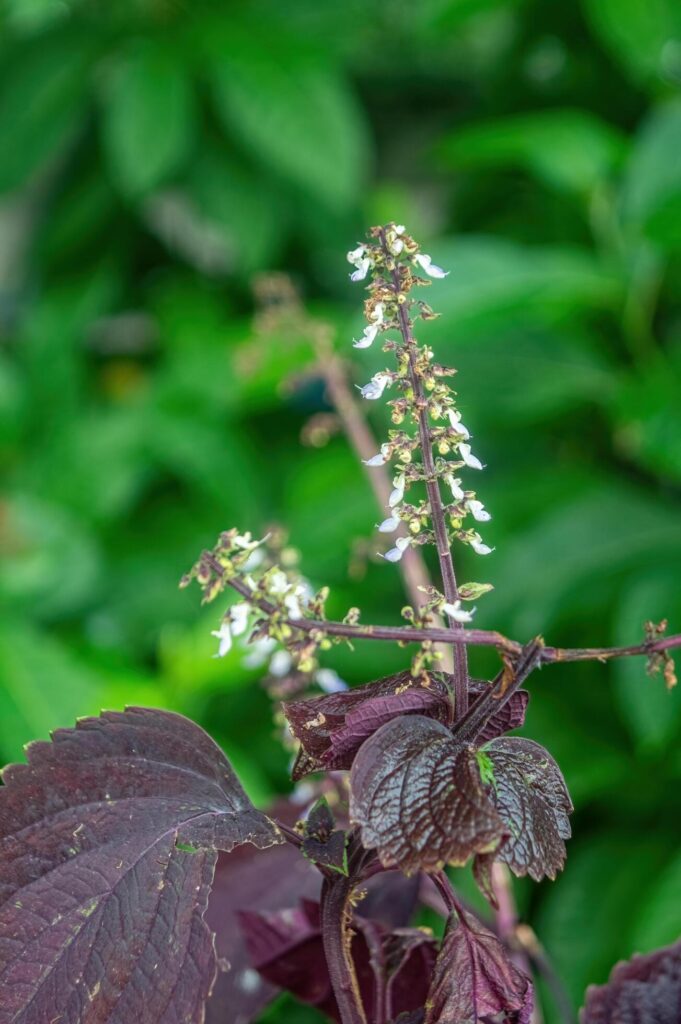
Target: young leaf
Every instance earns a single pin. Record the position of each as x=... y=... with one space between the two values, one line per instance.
x=418 y=797
x=529 y=792
x=332 y=728
x=474 y=979
x=322 y=844
x=97 y=891
x=643 y=990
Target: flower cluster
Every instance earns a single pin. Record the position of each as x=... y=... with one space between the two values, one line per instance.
x=392 y=262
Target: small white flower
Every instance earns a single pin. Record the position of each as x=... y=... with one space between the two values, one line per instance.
x=389 y=525
x=467 y=456
x=455 y=420
x=480 y=548
x=255 y=559
x=362 y=270
x=292 y=603
x=456 y=612
x=377 y=313
x=277 y=582
x=224 y=635
x=380 y=459
x=398 y=490
x=399 y=229
x=376 y=386
x=478 y=510
x=426 y=263
x=395 y=243
x=395 y=554
x=238 y=617
x=259 y=651
x=355 y=255
x=455 y=485
x=329 y=681
x=280 y=663
x=244 y=541
x=367 y=338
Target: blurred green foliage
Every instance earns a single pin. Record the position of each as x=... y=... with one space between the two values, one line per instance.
x=156 y=155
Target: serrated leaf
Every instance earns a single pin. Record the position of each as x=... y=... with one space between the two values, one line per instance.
x=295 y=114
x=530 y=795
x=475 y=980
x=418 y=798
x=91 y=876
x=148 y=118
x=322 y=843
x=644 y=990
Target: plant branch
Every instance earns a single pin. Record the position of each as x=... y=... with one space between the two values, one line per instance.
x=335 y=915
x=444 y=553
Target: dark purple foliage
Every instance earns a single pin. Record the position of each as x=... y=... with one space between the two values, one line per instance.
x=418 y=797
x=250 y=879
x=530 y=794
x=474 y=979
x=322 y=843
x=331 y=728
x=108 y=842
x=393 y=967
x=644 y=990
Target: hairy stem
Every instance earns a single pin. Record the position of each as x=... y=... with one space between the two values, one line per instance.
x=335 y=913
x=444 y=553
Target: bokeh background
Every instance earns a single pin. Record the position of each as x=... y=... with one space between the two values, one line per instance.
x=157 y=156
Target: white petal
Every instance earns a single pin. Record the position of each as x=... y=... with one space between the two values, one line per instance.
x=402 y=543
x=377 y=313
x=479 y=511
x=367 y=338
x=426 y=263
x=456 y=612
x=362 y=270
x=329 y=680
x=467 y=456
x=455 y=420
x=376 y=386
x=238 y=616
x=259 y=652
x=480 y=548
x=398 y=490
x=277 y=582
x=224 y=635
x=280 y=663
x=355 y=255
x=375 y=460
x=292 y=605
x=389 y=525
x=455 y=486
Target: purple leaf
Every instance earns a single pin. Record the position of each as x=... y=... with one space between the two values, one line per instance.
x=322 y=844
x=332 y=728
x=529 y=792
x=644 y=990
x=510 y=716
x=250 y=879
x=418 y=797
x=108 y=842
x=474 y=979
x=410 y=957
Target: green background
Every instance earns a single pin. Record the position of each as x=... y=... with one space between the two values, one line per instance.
x=156 y=155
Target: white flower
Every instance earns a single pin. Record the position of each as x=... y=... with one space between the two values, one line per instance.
x=362 y=270
x=292 y=603
x=238 y=617
x=426 y=263
x=389 y=525
x=367 y=338
x=455 y=485
x=360 y=261
x=277 y=583
x=468 y=457
x=395 y=243
x=478 y=510
x=255 y=559
x=376 y=386
x=377 y=313
x=479 y=547
x=380 y=459
x=456 y=612
x=355 y=255
x=280 y=663
x=455 y=420
x=395 y=554
x=224 y=635
x=259 y=651
x=398 y=490
x=329 y=681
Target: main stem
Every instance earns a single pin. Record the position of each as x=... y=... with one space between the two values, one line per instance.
x=444 y=553
x=335 y=912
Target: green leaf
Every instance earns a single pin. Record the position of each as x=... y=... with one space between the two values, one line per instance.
x=642 y=34
x=295 y=113
x=651 y=196
x=567 y=149
x=652 y=713
x=659 y=922
x=42 y=686
x=646 y=415
x=43 y=101
x=148 y=118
